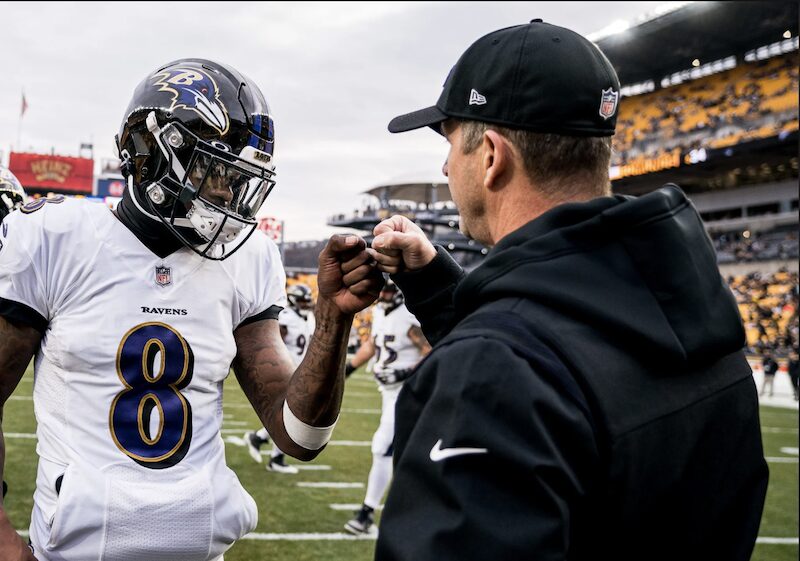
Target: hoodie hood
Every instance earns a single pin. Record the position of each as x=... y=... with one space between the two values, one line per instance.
x=642 y=269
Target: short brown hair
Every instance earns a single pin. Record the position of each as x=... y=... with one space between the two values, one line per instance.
x=550 y=159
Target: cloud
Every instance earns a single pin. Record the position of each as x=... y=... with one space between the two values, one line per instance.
x=333 y=73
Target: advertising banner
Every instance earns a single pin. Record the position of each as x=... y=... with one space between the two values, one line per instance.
x=60 y=173
x=110 y=187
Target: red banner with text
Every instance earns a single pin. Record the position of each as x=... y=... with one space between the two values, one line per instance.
x=62 y=173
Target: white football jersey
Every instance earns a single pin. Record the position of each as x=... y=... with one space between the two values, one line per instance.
x=298 y=332
x=128 y=383
x=394 y=349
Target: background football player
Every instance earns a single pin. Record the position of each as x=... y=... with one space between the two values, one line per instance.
x=175 y=291
x=297 y=324
x=397 y=344
x=12 y=195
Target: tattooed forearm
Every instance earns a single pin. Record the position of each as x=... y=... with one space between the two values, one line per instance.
x=313 y=390
x=263 y=368
x=17 y=345
x=315 y=394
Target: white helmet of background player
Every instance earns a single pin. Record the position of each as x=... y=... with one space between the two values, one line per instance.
x=300 y=298
x=197 y=145
x=390 y=296
x=12 y=195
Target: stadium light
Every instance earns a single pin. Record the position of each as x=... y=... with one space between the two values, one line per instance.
x=613 y=28
x=787 y=34
x=620 y=26
x=696 y=62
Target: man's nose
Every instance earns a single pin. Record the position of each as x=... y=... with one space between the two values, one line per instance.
x=444 y=169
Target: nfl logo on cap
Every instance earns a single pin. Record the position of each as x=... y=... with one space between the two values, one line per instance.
x=608 y=104
x=163 y=276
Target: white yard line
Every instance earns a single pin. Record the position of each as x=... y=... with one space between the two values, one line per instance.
x=779 y=430
x=329 y=485
x=350 y=506
x=310 y=537
x=21 y=398
x=360 y=394
x=781 y=460
x=19 y=435
x=779 y=541
x=362 y=411
x=238 y=441
x=236 y=423
x=790 y=451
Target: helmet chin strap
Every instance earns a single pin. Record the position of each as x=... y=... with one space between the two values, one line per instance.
x=213 y=225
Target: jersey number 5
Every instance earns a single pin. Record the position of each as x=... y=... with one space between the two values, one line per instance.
x=390 y=355
x=150 y=386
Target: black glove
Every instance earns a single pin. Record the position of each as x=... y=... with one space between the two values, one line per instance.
x=349 y=369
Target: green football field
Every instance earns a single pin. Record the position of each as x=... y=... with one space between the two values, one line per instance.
x=302 y=522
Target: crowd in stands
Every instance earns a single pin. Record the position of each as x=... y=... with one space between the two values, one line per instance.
x=751 y=101
x=740 y=247
x=769 y=308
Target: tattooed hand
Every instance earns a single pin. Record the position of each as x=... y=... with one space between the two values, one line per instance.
x=347 y=274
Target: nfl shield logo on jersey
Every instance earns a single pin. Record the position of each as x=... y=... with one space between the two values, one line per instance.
x=608 y=103
x=163 y=276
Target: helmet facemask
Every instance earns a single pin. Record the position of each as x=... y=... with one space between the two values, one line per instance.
x=390 y=297
x=12 y=195
x=206 y=187
x=300 y=299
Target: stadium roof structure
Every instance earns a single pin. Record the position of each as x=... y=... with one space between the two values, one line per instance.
x=700 y=30
x=417 y=191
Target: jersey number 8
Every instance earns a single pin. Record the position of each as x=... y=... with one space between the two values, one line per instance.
x=148 y=388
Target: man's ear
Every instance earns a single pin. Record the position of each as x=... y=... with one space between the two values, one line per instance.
x=497 y=160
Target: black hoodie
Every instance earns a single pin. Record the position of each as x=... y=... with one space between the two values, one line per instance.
x=587 y=397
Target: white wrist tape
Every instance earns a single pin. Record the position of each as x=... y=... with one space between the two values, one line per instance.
x=310 y=438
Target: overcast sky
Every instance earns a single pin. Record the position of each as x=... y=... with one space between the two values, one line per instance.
x=334 y=75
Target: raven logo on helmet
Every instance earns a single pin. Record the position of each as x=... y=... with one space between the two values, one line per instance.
x=196 y=91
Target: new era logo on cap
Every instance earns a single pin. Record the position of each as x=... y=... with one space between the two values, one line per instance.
x=475 y=98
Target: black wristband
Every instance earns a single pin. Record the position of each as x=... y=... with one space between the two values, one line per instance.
x=349 y=369
x=5 y=488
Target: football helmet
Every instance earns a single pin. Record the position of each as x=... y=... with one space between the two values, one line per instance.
x=12 y=195
x=300 y=298
x=390 y=297
x=197 y=145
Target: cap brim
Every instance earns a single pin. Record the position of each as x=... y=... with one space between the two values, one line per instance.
x=428 y=117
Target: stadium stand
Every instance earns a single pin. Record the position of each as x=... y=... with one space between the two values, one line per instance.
x=752 y=101
x=769 y=308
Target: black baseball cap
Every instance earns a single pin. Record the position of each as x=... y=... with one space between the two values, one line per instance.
x=538 y=77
